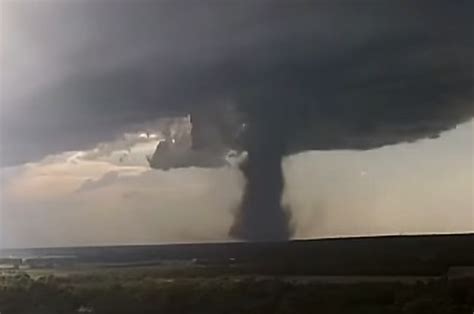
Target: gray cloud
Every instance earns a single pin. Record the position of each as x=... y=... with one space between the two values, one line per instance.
x=108 y=65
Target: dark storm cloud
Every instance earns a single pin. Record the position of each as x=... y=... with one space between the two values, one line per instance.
x=383 y=72
x=303 y=75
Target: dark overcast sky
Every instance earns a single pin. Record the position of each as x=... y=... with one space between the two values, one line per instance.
x=372 y=72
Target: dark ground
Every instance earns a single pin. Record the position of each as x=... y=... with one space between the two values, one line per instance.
x=114 y=294
x=384 y=256
x=373 y=275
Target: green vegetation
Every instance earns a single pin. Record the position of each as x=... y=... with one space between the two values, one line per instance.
x=121 y=291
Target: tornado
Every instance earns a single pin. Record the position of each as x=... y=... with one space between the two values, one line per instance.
x=261 y=216
x=292 y=89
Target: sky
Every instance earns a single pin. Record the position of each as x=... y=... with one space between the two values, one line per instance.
x=75 y=199
x=373 y=116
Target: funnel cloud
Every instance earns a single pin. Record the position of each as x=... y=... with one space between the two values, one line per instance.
x=261 y=80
